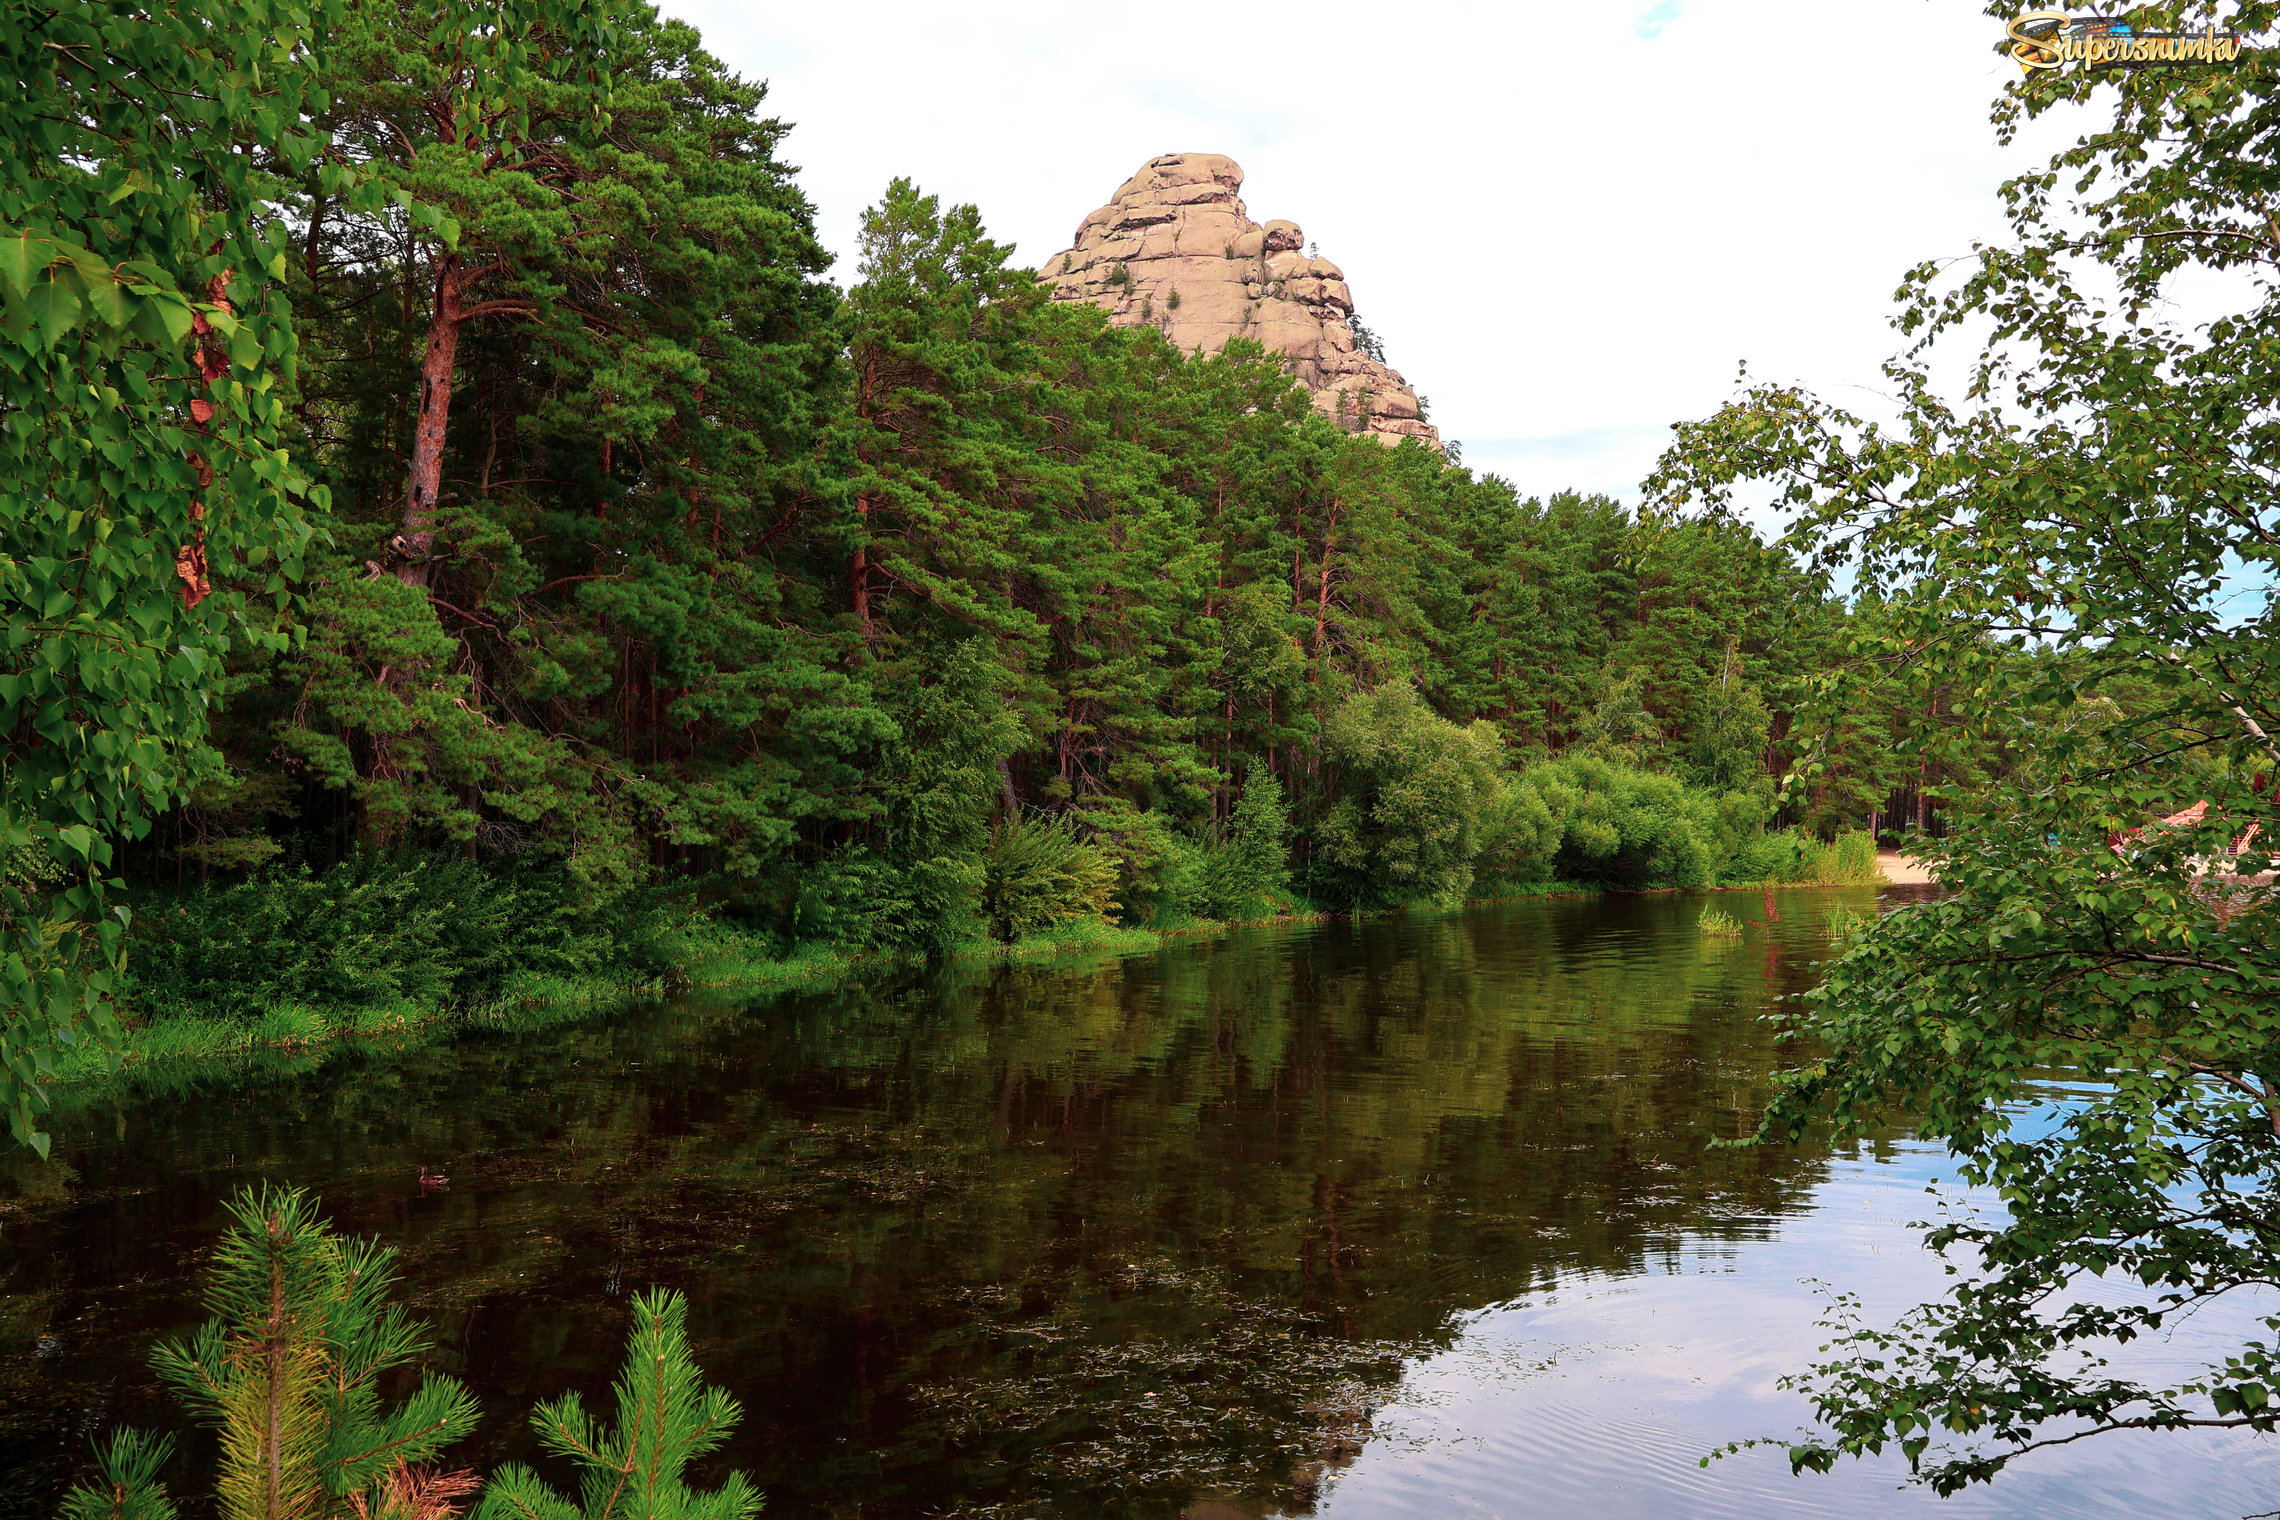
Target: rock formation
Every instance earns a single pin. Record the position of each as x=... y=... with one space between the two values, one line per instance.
x=1176 y=250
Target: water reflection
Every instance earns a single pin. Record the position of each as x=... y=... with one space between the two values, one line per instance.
x=1156 y=1235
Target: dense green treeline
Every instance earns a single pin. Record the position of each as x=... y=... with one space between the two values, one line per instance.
x=649 y=573
x=655 y=557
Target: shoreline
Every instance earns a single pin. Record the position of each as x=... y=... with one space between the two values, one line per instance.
x=188 y=1049
x=297 y=1036
x=1903 y=870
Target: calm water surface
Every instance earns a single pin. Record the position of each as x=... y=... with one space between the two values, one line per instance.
x=1411 y=1217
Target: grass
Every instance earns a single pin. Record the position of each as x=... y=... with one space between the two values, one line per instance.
x=1716 y=924
x=185 y=1049
x=297 y=1035
x=1518 y=891
x=189 y=1048
x=1795 y=859
x=1081 y=937
x=1849 y=862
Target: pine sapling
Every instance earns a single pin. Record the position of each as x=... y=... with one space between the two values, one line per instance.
x=666 y=1418
x=288 y=1369
x=129 y=1488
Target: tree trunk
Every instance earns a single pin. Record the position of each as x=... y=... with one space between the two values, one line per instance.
x=1322 y=593
x=414 y=546
x=859 y=571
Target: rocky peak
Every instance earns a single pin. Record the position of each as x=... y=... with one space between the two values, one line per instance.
x=1175 y=249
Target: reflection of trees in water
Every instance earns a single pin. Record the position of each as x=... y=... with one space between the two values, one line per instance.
x=1147 y=1381
x=946 y=1238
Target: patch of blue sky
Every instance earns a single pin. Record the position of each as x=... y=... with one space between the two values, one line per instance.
x=1655 y=17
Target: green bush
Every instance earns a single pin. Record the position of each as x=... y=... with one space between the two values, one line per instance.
x=855 y=899
x=1039 y=874
x=1247 y=875
x=1519 y=838
x=1769 y=857
x=1159 y=872
x=1416 y=790
x=1849 y=860
x=372 y=930
x=1626 y=828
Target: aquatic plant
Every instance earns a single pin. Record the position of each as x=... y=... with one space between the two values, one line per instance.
x=1716 y=924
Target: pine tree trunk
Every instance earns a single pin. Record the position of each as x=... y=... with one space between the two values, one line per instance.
x=414 y=546
x=1322 y=592
x=859 y=571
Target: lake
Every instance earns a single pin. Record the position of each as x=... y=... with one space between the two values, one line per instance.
x=1412 y=1216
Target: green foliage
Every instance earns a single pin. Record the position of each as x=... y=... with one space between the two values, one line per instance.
x=1716 y=923
x=666 y=1418
x=1726 y=752
x=651 y=558
x=1039 y=873
x=370 y=932
x=1620 y=728
x=290 y=1371
x=144 y=495
x=1417 y=788
x=1783 y=856
x=1628 y=828
x=1848 y=860
x=1519 y=840
x=1247 y=875
x=934 y=788
x=128 y=1488
x=2051 y=567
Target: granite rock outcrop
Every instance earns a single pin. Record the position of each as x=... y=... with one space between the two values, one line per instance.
x=1175 y=249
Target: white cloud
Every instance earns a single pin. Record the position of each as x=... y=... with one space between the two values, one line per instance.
x=1566 y=234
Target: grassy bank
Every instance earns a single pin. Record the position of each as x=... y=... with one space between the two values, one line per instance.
x=172 y=1042
x=184 y=1048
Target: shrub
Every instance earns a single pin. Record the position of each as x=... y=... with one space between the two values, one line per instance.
x=1039 y=874
x=1627 y=828
x=1247 y=875
x=1848 y=860
x=1768 y=857
x=1519 y=838
x=1415 y=791
x=374 y=929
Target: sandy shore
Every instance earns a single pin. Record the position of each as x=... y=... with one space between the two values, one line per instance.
x=1902 y=870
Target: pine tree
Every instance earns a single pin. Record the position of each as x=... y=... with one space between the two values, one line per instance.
x=288 y=1370
x=666 y=1418
x=129 y=1488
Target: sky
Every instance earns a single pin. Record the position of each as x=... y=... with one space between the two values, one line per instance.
x=1569 y=224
